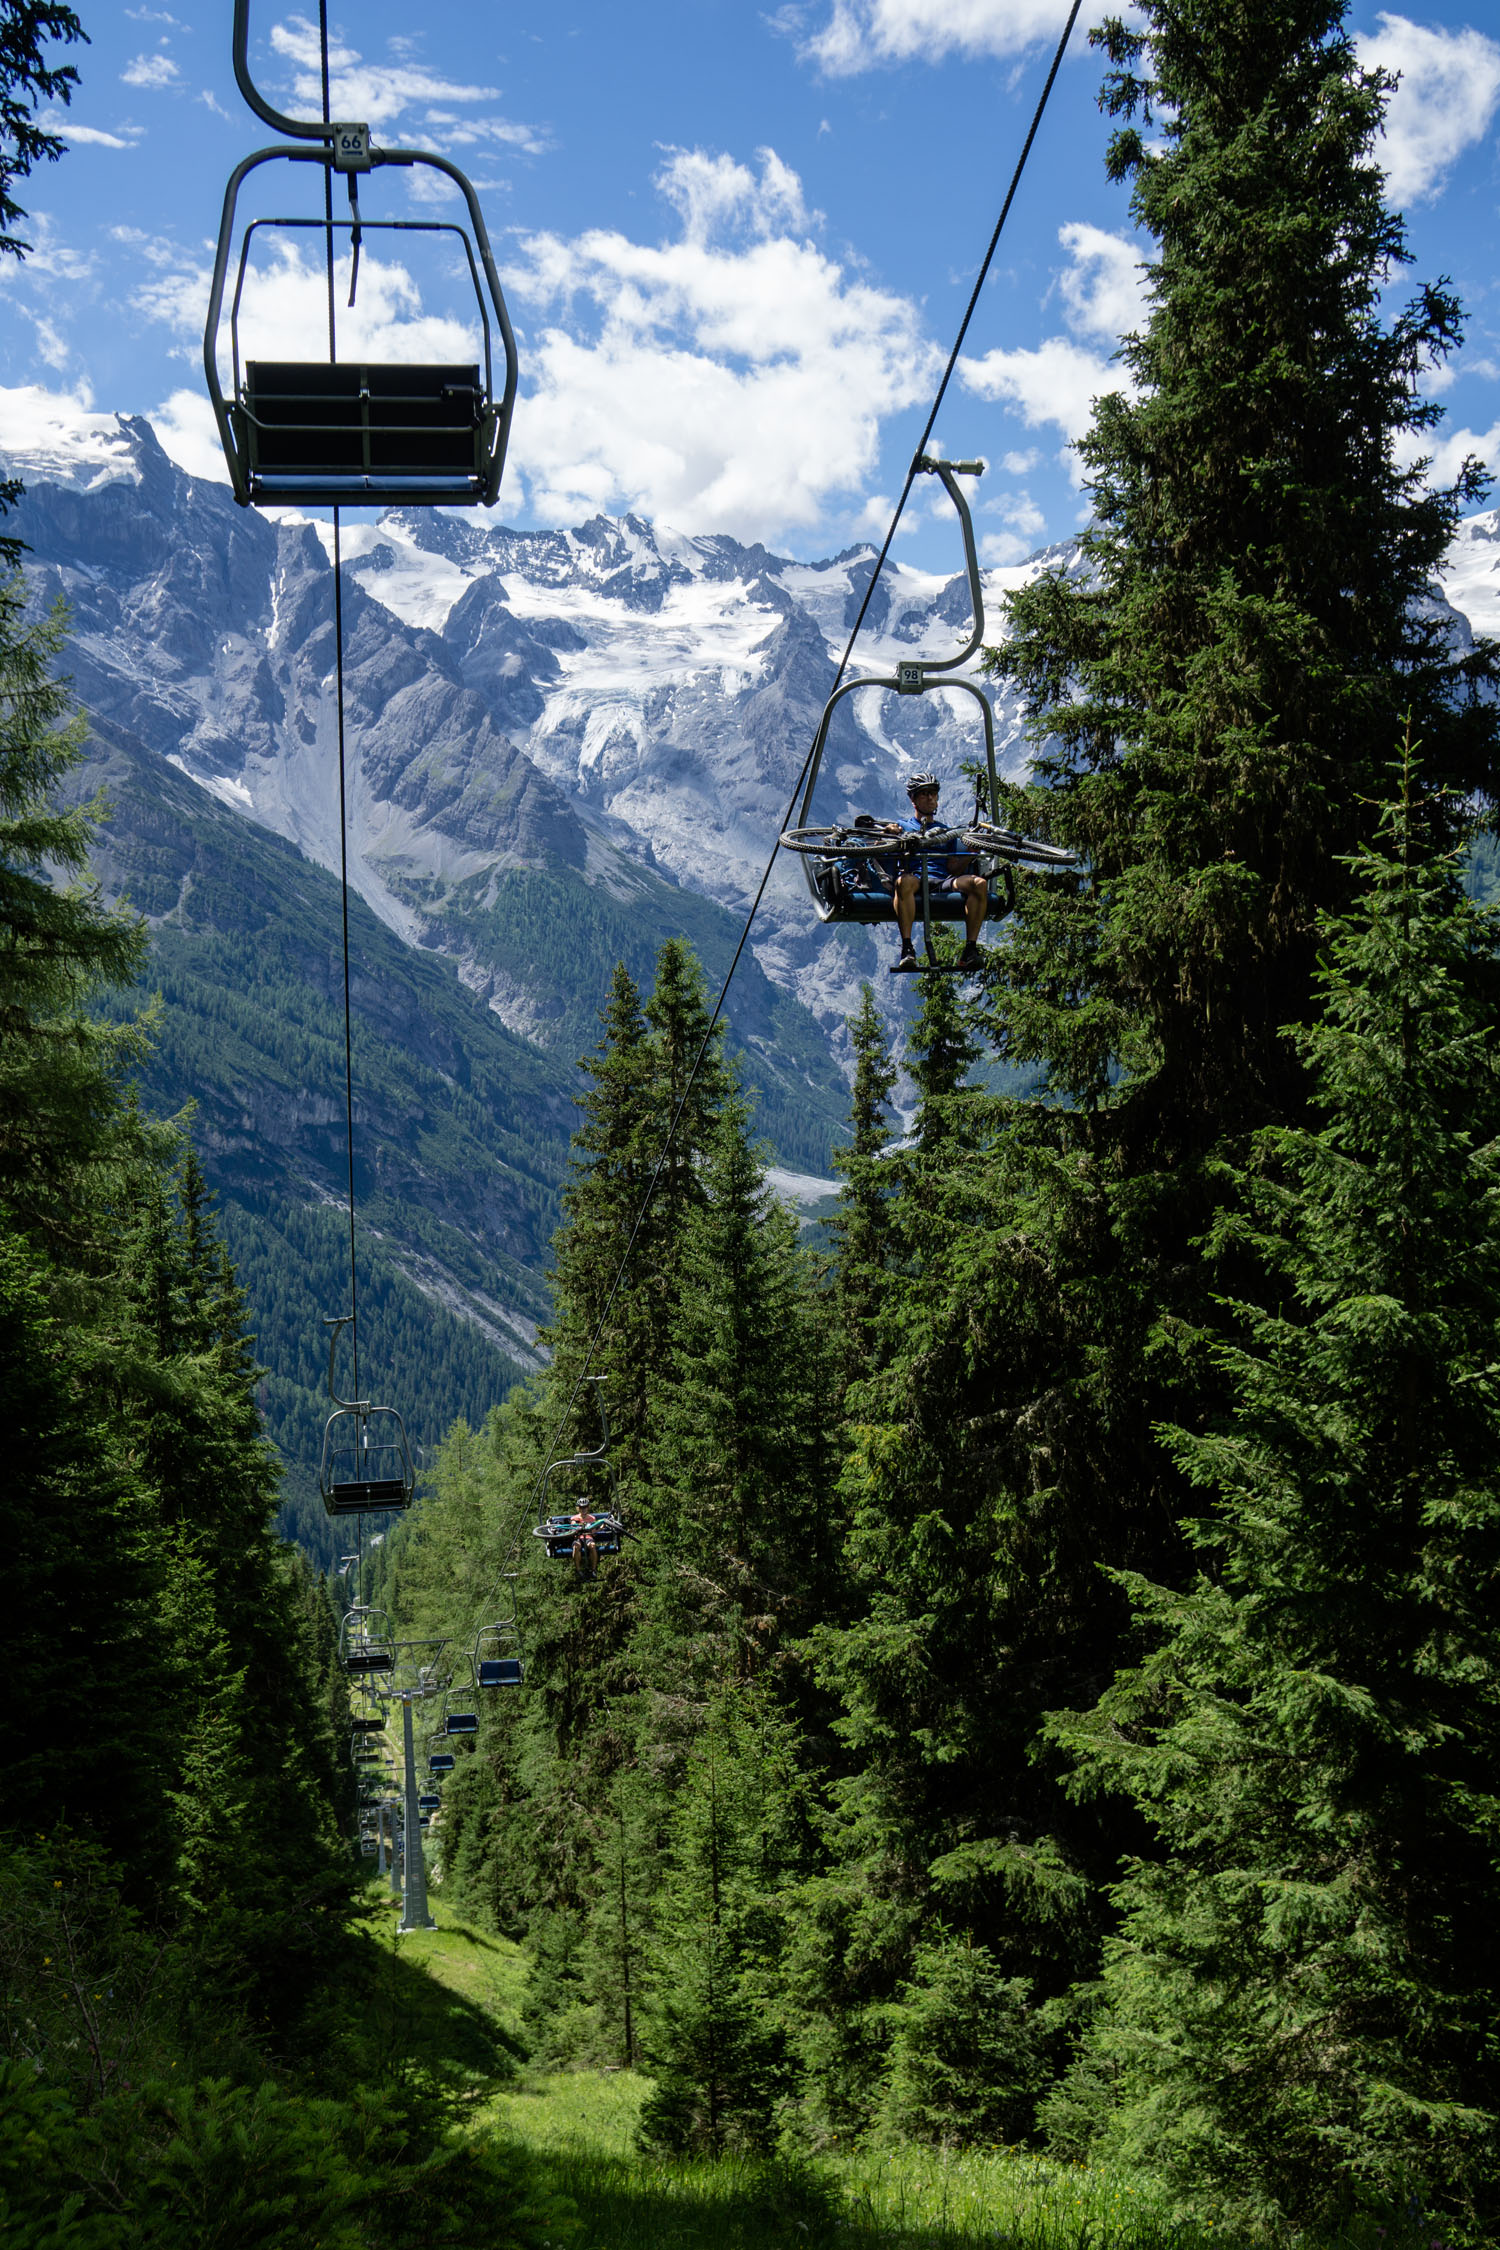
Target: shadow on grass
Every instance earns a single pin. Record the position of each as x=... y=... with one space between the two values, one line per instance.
x=637 y=2203
x=410 y=2021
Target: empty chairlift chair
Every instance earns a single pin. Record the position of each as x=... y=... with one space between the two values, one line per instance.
x=349 y=432
x=497 y=1657
x=366 y=1644
x=366 y=1465
x=441 y=1761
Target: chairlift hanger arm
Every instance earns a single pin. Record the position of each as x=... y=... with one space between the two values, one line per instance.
x=295 y=128
x=948 y=474
x=336 y=1324
x=962 y=687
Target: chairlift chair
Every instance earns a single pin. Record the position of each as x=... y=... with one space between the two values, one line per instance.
x=430 y=1802
x=497 y=1659
x=441 y=1761
x=366 y=1463
x=321 y=433
x=849 y=868
x=559 y=1534
x=365 y=1641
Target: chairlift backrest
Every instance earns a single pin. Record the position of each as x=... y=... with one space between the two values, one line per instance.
x=496 y=1659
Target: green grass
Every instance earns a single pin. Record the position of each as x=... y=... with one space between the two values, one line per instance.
x=581 y=2125
x=580 y=2129
x=447 y=2001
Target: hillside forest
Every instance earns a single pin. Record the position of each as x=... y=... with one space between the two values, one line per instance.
x=1047 y=1695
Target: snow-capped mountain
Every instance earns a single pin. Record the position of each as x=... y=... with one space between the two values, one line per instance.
x=616 y=698
x=618 y=701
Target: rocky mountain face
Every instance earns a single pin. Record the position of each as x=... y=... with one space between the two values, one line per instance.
x=617 y=707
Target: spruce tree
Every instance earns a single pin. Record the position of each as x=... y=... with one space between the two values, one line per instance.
x=1212 y=696
x=1297 y=2018
x=59 y=947
x=861 y=1228
x=29 y=83
x=716 y=2052
x=734 y=1552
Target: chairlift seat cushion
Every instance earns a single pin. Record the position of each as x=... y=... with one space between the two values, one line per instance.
x=844 y=901
x=440 y=1762
x=308 y=427
x=463 y=1722
x=500 y=1671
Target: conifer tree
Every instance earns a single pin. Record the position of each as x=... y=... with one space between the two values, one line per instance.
x=716 y=2051
x=30 y=83
x=1297 y=2017
x=615 y=1147
x=733 y=1550
x=861 y=1229
x=1211 y=698
x=59 y=946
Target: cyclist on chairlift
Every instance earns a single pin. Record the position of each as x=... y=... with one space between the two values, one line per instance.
x=946 y=871
x=585 y=1547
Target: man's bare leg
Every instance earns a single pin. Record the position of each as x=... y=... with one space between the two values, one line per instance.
x=906 y=908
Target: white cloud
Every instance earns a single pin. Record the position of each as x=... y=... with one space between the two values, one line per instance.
x=52 y=349
x=1450 y=85
x=1103 y=295
x=472 y=132
x=83 y=136
x=1103 y=289
x=1057 y=383
x=188 y=432
x=715 y=384
x=861 y=34
x=151 y=70
x=285 y=311
x=1019 y=464
x=1449 y=453
x=49 y=254
x=713 y=193
x=1026 y=521
x=379 y=93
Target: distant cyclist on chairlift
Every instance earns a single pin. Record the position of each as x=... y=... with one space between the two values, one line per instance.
x=585 y=1545
x=946 y=871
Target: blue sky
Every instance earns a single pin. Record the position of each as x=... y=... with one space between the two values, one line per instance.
x=736 y=241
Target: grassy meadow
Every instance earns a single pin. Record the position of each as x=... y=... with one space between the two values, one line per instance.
x=463 y=1997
